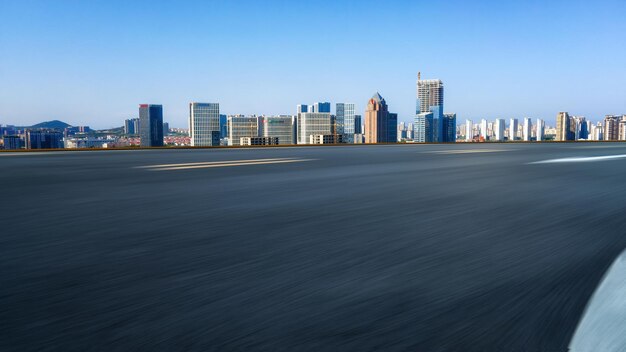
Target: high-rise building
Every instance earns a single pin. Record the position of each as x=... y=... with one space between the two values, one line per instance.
x=499 y=130
x=527 y=129
x=541 y=130
x=321 y=107
x=204 y=120
x=223 y=126
x=611 y=127
x=622 y=129
x=314 y=123
x=12 y=142
x=166 y=128
x=240 y=126
x=469 y=130
x=151 y=125
x=423 y=128
x=358 y=124
x=345 y=121
x=282 y=127
x=43 y=139
x=380 y=124
x=409 y=131
x=131 y=126
x=484 y=131
x=449 y=128
x=430 y=98
x=513 y=129
x=564 y=127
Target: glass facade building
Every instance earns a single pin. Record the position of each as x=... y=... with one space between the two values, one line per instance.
x=151 y=125
x=242 y=126
x=314 y=123
x=423 y=128
x=281 y=127
x=204 y=120
x=345 y=121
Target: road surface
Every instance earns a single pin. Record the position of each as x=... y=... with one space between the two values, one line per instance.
x=393 y=247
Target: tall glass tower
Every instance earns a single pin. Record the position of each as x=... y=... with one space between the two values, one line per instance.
x=345 y=120
x=151 y=125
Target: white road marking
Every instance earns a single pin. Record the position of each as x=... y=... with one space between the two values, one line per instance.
x=581 y=159
x=208 y=163
x=228 y=164
x=603 y=325
x=467 y=151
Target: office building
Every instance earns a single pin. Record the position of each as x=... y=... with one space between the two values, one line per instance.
x=430 y=98
x=131 y=126
x=240 y=126
x=326 y=139
x=499 y=130
x=449 y=128
x=527 y=129
x=345 y=120
x=151 y=125
x=540 y=130
x=166 y=128
x=358 y=124
x=41 y=139
x=12 y=142
x=281 y=127
x=423 y=128
x=204 y=119
x=223 y=126
x=380 y=124
x=469 y=130
x=513 y=129
x=314 y=123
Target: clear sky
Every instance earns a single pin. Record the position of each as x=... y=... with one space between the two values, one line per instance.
x=92 y=62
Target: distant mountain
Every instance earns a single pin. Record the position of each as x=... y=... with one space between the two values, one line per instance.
x=54 y=124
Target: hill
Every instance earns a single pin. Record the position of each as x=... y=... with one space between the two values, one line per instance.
x=54 y=124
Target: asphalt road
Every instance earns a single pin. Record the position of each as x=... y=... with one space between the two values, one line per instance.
x=361 y=248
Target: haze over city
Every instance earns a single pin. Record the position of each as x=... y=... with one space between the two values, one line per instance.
x=93 y=63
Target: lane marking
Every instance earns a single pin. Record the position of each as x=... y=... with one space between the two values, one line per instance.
x=581 y=159
x=208 y=163
x=206 y=166
x=467 y=151
x=603 y=325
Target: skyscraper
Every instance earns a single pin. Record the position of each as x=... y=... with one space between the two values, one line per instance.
x=611 y=127
x=564 y=127
x=358 y=124
x=344 y=120
x=499 y=130
x=131 y=126
x=380 y=125
x=484 y=131
x=449 y=128
x=513 y=129
x=423 y=128
x=204 y=121
x=469 y=130
x=527 y=130
x=151 y=125
x=541 y=130
x=430 y=98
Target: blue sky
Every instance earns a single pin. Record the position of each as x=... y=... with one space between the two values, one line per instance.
x=92 y=62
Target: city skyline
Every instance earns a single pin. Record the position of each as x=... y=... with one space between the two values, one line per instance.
x=94 y=62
